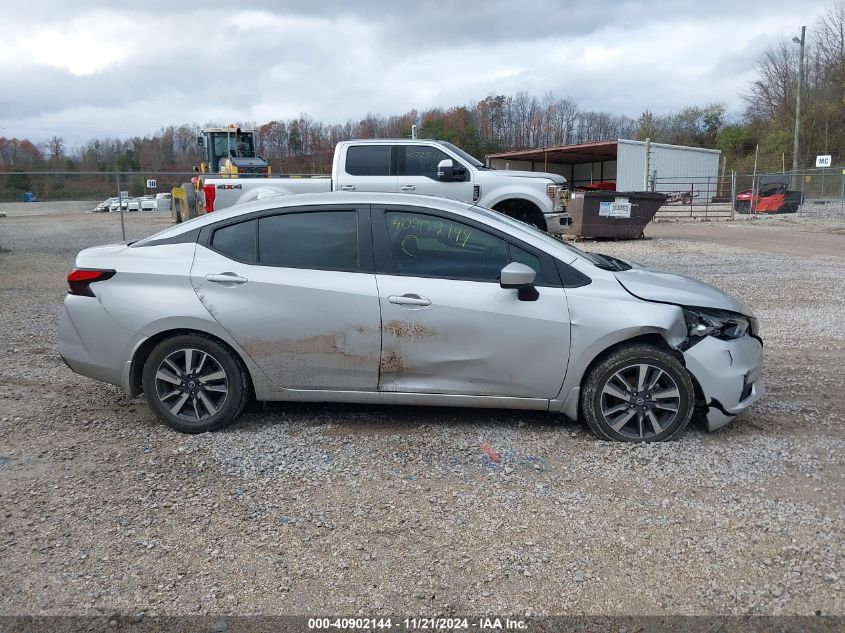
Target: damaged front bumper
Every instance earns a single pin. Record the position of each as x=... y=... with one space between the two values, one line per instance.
x=729 y=374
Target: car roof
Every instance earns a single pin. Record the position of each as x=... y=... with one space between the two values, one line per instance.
x=482 y=214
x=317 y=199
x=391 y=141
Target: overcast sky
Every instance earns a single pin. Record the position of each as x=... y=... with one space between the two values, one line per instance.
x=92 y=69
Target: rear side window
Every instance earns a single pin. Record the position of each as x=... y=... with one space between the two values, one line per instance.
x=323 y=240
x=368 y=160
x=236 y=241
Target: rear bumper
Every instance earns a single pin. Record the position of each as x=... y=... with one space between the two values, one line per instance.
x=92 y=344
x=730 y=376
x=557 y=223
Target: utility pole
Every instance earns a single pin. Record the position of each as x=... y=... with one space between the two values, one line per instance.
x=798 y=106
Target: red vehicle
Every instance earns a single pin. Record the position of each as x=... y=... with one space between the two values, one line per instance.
x=772 y=196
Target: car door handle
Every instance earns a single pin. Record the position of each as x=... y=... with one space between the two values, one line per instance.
x=409 y=300
x=226 y=278
x=347 y=187
x=408 y=187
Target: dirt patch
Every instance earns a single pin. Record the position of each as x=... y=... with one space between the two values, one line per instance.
x=404 y=329
x=391 y=363
x=321 y=344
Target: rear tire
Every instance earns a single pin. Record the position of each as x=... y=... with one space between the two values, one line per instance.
x=194 y=384
x=638 y=393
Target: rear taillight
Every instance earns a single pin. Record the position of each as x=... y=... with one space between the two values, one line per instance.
x=210 y=194
x=80 y=279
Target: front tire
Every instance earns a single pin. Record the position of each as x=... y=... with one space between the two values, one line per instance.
x=638 y=393
x=524 y=212
x=194 y=384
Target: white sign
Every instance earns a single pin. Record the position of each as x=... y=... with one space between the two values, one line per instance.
x=621 y=210
x=824 y=161
x=124 y=194
x=151 y=183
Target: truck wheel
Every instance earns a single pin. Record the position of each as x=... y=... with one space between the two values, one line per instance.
x=523 y=211
x=742 y=206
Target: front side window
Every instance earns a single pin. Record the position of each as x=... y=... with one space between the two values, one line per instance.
x=431 y=246
x=421 y=160
x=368 y=160
x=323 y=240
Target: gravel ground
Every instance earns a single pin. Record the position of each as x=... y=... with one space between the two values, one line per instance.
x=304 y=509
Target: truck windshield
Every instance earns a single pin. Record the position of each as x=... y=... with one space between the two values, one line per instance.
x=470 y=159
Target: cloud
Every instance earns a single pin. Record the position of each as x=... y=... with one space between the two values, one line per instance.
x=95 y=69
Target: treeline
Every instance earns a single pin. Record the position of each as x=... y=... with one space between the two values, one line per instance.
x=503 y=122
x=305 y=145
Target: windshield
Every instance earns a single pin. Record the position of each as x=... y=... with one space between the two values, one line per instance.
x=470 y=159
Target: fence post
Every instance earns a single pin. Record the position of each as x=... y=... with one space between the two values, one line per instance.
x=120 y=208
x=824 y=169
x=803 y=178
x=842 y=197
x=707 y=198
x=691 y=196
x=733 y=194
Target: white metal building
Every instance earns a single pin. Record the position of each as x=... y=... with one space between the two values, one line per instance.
x=621 y=162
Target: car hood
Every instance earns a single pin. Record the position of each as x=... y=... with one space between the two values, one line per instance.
x=556 y=178
x=652 y=284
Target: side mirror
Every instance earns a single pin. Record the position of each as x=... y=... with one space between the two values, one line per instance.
x=200 y=141
x=521 y=277
x=444 y=170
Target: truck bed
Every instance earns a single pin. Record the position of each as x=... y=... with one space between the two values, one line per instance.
x=231 y=191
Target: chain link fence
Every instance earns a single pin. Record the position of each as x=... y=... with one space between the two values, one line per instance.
x=734 y=196
x=68 y=211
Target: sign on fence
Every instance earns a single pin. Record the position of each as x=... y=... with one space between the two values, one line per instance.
x=124 y=194
x=151 y=183
x=824 y=161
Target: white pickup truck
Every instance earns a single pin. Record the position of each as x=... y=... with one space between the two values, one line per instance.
x=428 y=167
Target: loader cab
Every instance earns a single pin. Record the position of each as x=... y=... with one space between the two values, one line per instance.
x=222 y=144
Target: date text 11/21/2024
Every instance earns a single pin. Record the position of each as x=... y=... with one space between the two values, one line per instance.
x=417 y=624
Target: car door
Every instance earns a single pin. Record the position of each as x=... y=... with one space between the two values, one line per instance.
x=417 y=167
x=447 y=325
x=296 y=290
x=367 y=167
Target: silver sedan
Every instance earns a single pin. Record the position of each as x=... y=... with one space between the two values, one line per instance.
x=401 y=299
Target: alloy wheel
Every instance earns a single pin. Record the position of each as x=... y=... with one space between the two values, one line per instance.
x=192 y=384
x=640 y=401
